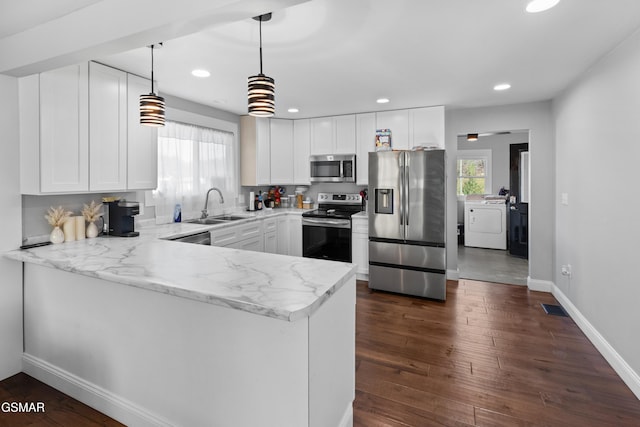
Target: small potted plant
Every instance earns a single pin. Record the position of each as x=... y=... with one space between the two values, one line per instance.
x=56 y=217
x=91 y=213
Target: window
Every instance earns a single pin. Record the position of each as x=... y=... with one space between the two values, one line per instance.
x=192 y=159
x=474 y=172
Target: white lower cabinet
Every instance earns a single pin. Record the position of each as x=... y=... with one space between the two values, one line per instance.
x=360 y=245
x=282 y=246
x=278 y=235
x=244 y=236
x=270 y=235
x=295 y=235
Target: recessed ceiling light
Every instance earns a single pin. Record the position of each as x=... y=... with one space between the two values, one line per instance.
x=200 y=73
x=502 y=86
x=382 y=100
x=293 y=110
x=535 y=6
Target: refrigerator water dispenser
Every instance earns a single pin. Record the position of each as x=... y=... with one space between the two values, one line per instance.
x=384 y=200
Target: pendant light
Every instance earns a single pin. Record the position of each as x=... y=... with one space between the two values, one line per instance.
x=152 y=105
x=261 y=95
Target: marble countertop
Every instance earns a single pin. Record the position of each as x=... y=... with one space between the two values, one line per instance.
x=277 y=286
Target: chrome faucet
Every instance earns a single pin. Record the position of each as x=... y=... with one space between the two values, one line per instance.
x=206 y=201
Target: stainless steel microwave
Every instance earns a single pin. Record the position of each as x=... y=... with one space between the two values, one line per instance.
x=333 y=168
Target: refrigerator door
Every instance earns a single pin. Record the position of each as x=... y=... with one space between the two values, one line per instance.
x=425 y=189
x=385 y=188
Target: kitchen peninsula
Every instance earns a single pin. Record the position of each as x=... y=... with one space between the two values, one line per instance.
x=155 y=332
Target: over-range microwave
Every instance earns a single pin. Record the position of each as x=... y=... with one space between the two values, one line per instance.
x=333 y=168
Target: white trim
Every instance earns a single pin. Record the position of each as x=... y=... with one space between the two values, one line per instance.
x=109 y=403
x=347 y=418
x=622 y=368
x=453 y=274
x=539 y=285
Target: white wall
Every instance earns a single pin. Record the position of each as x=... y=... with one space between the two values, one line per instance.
x=597 y=124
x=10 y=230
x=537 y=118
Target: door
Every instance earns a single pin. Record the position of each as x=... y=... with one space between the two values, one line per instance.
x=425 y=196
x=519 y=200
x=385 y=183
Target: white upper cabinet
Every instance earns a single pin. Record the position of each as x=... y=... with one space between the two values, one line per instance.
x=301 y=151
x=282 y=151
x=398 y=122
x=142 y=141
x=426 y=127
x=54 y=136
x=255 y=156
x=333 y=135
x=107 y=128
x=366 y=135
x=345 y=134
x=322 y=136
x=79 y=132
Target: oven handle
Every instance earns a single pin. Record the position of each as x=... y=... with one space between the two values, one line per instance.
x=331 y=223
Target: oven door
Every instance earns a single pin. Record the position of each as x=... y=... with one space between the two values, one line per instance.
x=326 y=239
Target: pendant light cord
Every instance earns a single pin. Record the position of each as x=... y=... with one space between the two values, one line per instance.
x=152 y=91
x=261 y=44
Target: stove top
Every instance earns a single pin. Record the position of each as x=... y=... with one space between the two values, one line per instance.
x=336 y=205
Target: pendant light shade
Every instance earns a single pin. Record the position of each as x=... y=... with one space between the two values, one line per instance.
x=261 y=88
x=152 y=105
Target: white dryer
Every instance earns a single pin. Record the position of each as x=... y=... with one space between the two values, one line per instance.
x=485 y=224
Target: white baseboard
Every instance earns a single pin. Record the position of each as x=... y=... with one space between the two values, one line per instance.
x=453 y=274
x=362 y=276
x=347 y=417
x=622 y=368
x=90 y=394
x=539 y=285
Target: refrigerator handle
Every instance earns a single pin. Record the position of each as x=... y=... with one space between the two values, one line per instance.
x=401 y=189
x=406 y=190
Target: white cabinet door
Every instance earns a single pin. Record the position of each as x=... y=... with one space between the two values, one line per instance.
x=282 y=151
x=270 y=227
x=282 y=247
x=255 y=156
x=366 y=135
x=142 y=141
x=322 y=135
x=345 y=131
x=301 y=151
x=398 y=122
x=54 y=135
x=360 y=245
x=426 y=127
x=107 y=128
x=252 y=244
x=271 y=243
x=295 y=235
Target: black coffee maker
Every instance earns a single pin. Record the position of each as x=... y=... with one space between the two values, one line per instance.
x=121 y=215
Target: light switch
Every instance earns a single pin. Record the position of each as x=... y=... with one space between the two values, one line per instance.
x=564 y=199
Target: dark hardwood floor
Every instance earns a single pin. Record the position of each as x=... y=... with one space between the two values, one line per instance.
x=488 y=356
x=60 y=410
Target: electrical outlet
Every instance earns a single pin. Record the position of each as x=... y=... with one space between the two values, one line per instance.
x=566 y=270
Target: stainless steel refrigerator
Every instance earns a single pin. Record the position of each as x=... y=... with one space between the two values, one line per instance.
x=407 y=222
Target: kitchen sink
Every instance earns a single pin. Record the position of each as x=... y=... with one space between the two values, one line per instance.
x=219 y=219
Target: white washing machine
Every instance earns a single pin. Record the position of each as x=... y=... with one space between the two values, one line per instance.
x=485 y=224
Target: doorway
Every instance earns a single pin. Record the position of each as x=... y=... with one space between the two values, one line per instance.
x=488 y=174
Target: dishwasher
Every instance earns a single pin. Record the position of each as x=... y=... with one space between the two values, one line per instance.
x=203 y=238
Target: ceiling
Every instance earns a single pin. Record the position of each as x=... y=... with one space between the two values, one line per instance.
x=332 y=57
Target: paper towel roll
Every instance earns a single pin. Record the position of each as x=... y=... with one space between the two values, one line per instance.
x=252 y=198
x=80 y=227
